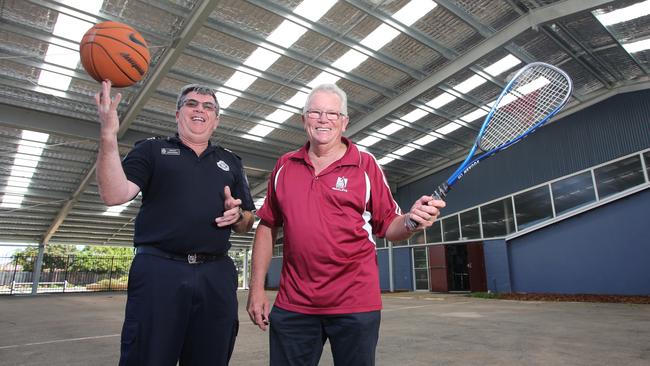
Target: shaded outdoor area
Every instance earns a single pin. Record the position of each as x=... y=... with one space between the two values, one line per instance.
x=420 y=329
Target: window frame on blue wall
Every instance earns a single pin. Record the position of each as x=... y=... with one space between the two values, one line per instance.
x=644 y=159
x=417 y=270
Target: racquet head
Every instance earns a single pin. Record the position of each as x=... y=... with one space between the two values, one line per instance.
x=534 y=94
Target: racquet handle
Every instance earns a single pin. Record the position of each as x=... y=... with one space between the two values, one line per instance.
x=440 y=193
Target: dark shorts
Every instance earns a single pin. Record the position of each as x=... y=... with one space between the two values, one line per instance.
x=298 y=339
x=180 y=312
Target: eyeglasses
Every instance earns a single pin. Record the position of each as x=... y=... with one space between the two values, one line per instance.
x=331 y=116
x=193 y=103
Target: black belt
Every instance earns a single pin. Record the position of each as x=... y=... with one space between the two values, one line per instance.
x=192 y=258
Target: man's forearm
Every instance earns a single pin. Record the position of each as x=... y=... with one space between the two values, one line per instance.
x=397 y=230
x=114 y=188
x=261 y=257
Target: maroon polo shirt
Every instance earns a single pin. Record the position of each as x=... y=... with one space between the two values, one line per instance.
x=329 y=258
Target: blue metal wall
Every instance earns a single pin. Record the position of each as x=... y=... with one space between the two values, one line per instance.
x=497 y=268
x=402 y=269
x=384 y=275
x=602 y=251
x=615 y=127
x=273 y=275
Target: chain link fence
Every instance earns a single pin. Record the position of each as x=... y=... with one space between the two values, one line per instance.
x=71 y=273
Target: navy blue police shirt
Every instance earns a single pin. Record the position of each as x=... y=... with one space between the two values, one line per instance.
x=182 y=194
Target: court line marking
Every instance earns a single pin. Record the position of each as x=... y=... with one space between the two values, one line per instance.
x=405 y=308
x=117 y=335
x=59 y=341
x=384 y=310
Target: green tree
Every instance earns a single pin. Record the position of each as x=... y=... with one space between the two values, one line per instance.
x=55 y=256
x=103 y=259
x=238 y=258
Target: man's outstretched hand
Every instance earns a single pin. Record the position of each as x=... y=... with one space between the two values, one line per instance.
x=231 y=209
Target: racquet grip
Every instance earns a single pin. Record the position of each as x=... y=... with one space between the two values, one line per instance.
x=440 y=193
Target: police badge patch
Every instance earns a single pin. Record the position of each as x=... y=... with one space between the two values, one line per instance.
x=222 y=164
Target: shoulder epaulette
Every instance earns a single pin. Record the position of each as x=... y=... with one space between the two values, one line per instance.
x=147 y=139
x=230 y=151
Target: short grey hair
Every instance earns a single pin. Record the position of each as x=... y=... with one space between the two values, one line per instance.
x=200 y=89
x=328 y=88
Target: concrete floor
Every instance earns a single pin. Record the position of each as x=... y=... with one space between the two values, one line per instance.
x=417 y=329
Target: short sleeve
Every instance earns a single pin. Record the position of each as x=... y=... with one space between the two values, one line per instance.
x=138 y=164
x=241 y=190
x=270 y=210
x=382 y=205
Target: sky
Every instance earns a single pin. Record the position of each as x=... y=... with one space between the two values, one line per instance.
x=7 y=250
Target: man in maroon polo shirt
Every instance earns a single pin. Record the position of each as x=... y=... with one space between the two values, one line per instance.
x=330 y=198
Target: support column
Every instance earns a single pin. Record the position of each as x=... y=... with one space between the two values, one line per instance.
x=38 y=267
x=245 y=283
x=391 y=281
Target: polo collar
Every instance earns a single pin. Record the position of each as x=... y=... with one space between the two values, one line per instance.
x=177 y=140
x=351 y=156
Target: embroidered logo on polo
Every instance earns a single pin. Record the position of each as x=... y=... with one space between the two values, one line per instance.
x=341 y=184
x=222 y=164
x=169 y=151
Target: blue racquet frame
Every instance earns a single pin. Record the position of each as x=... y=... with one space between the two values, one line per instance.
x=561 y=87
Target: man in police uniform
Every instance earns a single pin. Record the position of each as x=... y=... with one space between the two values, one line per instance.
x=182 y=303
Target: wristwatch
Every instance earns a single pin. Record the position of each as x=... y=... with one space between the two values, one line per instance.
x=407 y=226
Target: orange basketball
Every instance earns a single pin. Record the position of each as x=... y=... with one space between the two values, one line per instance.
x=116 y=52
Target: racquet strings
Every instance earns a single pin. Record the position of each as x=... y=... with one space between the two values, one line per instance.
x=535 y=94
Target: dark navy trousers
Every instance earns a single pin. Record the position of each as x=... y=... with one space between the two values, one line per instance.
x=179 y=312
x=297 y=339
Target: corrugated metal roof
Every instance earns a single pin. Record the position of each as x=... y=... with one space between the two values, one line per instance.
x=452 y=42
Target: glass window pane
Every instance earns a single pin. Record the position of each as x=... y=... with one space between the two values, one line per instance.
x=450 y=228
x=434 y=235
x=646 y=157
x=381 y=243
x=573 y=192
x=417 y=238
x=619 y=176
x=497 y=218
x=470 y=226
x=421 y=279
x=533 y=207
x=419 y=257
x=420 y=268
x=277 y=250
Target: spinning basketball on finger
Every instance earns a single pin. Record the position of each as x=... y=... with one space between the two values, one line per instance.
x=116 y=52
